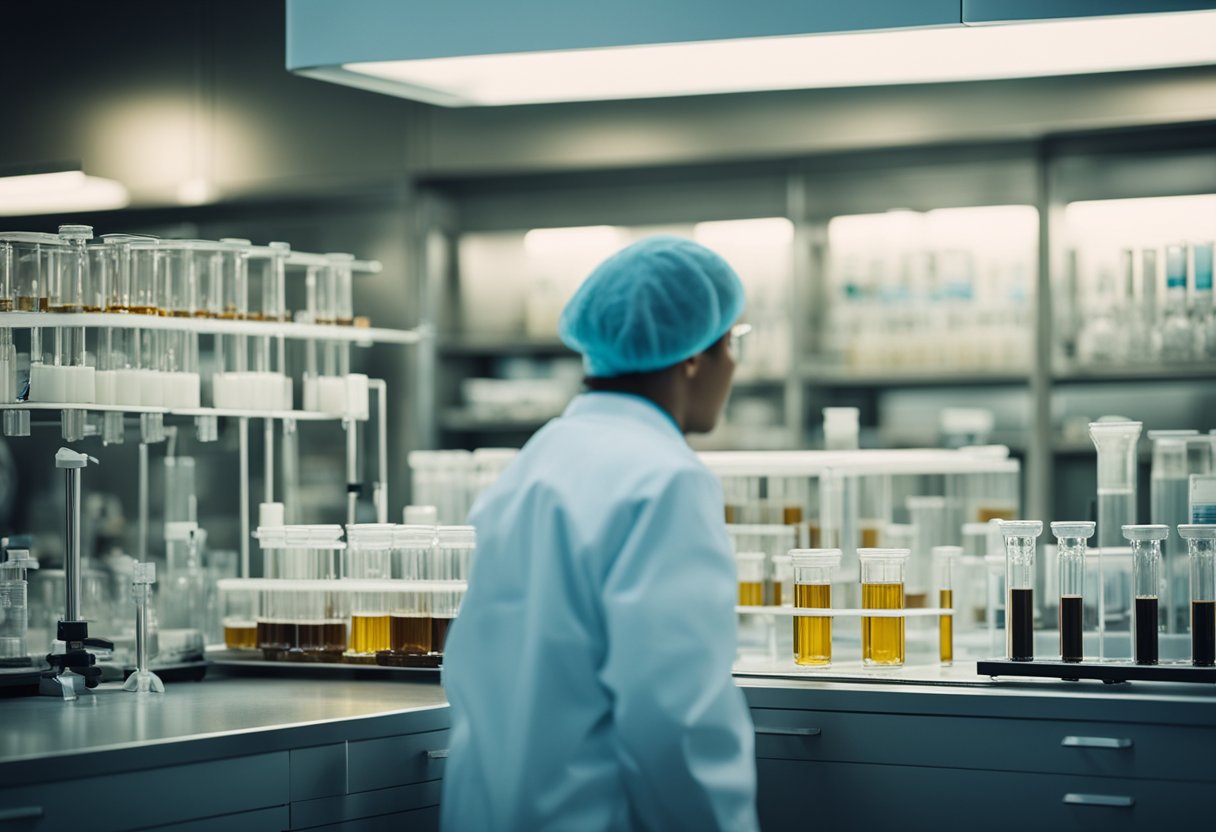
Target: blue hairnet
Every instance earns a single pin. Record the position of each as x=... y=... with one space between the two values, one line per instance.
x=651 y=305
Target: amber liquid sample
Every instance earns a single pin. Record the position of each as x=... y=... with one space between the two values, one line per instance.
x=945 y=625
x=791 y=515
x=776 y=594
x=241 y=636
x=751 y=593
x=813 y=634
x=1071 y=611
x=91 y=309
x=143 y=310
x=814 y=535
x=118 y=308
x=983 y=515
x=345 y=321
x=179 y=313
x=67 y=307
x=1145 y=623
x=32 y=304
x=1020 y=621
x=302 y=641
x=882 y=639
x=731 y=513
x=916 y=600
x=410 y=634
x=439 y=633
x=6 y=304
x=1203 y=633
x=869 y=537
x=368 y=633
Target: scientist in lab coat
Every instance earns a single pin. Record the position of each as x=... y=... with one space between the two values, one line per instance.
x=589 y=671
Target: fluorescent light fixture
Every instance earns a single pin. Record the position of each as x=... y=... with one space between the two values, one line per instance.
x=910 y=56
x=1152 y=221
x=57 y=192
x=766 y=232
x=588 y=240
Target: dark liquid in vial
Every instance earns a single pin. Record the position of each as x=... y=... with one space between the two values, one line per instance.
x=302 y=642
x=1021 y=625
x=1070 y=628
x=439 y=633
x=1146 y=630
x=1203 y=633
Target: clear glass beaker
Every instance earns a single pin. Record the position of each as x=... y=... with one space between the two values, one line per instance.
x=368 y=556
x=882 y=588
x=14 y=604
x=240 y=614
x=410 y=624
x=1201 y=551
x=1116 y=446
x=750 y=566
x=1071 y=546
x=1146 y=587
x=945 y=561
x=813 y=573
x=1021 y=544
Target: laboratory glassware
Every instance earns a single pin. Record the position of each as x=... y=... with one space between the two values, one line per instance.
x=783 y=581
x=751 y=570
x=1071 y=546
x=882 y=588
x=368 y=555
x=143 y=680
x=931 y=518
x=183 y=591
x=1147 y=324
x=945 y=564
x=240 y=613
x=1021 y=543
x=300 y=622
x=14 y=607
x=813 y=573
x=451 y=560
x=1203 y=317
x=1169 y=485
x=994 y=616
x=1116 y=446
x=410 y=624
x=1201 y=551
x=1177 y=334
x=1146 y=587
x=840 y=428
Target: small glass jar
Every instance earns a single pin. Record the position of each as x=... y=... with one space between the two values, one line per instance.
x=72 y=287
x=882 y=588
x=145 y=254
x=1146 y=588
x=813 y=573
x=455 y=548
x=234 y=279
x=1021 y=544
x=410 y=624
x=1201 y=552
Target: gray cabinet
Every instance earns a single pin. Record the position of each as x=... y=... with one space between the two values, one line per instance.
x=873 y=769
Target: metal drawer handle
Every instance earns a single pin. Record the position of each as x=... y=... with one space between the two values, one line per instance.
x=1115 y=801
x=20 y=813
x=1096 y=742
x=438 y=754
x=790 y=732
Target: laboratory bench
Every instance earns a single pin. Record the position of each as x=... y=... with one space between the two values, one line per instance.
x=867 y=749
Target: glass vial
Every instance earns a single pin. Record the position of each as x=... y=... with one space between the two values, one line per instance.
x=1021 y=542
x=1201 y=552
x=751 y=578
x=813 y=572
x=882 y=588
x=1071 y=545
x=945 y=561
x=1146 y=587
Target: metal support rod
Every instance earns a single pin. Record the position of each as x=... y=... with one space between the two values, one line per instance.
x=291 y=470
x=243 y=476
x=268 y=458
x=352 y=469
x=71 y=559
x=143 y=502
x=380 y=484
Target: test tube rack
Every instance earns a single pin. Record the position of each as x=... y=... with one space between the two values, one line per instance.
x=1108 y=672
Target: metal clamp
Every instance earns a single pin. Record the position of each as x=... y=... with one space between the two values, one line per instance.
x=1114 y=743
x=1112 y=801
x=437 y=754
x=790 y=732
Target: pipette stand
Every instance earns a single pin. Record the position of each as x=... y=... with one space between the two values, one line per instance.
x=73 y=671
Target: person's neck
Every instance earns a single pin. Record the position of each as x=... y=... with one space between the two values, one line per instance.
x=660 y=388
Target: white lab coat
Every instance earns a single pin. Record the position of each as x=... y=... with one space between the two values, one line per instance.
x=589 y=669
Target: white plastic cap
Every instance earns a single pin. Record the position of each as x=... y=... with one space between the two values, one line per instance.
x=271 y=515
x=180 y=530
x=420 y=516
x=840 y=428
x=970 y=420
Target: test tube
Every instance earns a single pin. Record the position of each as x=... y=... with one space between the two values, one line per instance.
x=783 y=581
x=1116 y=446
x=1201 y=551
x=1169 y=500
x=240 y=619
x=1071 y=544
x=931 y=519
x=751 y=578
x=368 y=556
x=455 y=548
x=945 y=560
x=813 y=571
x=882 y=588
x=1146 y=586
x=995 y=613
x=1021 y=542
x=410 y=626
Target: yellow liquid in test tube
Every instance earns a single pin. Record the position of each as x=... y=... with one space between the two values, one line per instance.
x=882 y=639
x=369 y=633
x=751 y=593
x=946 y=625
x=813 y=634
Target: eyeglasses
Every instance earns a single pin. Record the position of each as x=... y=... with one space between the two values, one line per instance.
x=736 y=339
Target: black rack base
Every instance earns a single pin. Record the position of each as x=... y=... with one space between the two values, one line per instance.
x=1108 y=672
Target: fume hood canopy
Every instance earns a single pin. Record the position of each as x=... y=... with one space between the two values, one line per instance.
x=459 y=53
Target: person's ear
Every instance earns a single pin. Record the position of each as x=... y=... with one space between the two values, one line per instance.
x=692 y=366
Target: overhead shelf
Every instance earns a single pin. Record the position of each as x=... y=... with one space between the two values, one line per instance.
x=505 y=346
x=1145 y=372
x=462 y=421
x=289 y=415
x=835 y=376
x=210 y=326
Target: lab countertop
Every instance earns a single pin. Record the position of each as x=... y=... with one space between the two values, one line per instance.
x=42 y=738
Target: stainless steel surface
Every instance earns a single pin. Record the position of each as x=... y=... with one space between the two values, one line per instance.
x=112 y=720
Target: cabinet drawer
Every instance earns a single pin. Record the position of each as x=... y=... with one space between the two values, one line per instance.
x=419 y=820
x=799 y=795
x=1097 y=749
x=396 y=761
x=154 y=797
x=306 y=814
